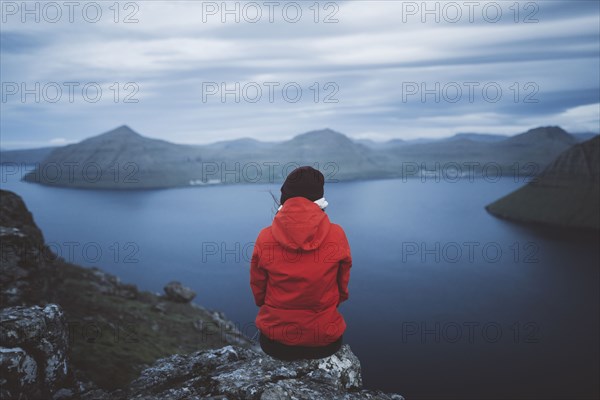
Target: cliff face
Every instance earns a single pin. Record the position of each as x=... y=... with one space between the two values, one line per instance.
x=565 y=194
x=22 y=250
x=70 y=332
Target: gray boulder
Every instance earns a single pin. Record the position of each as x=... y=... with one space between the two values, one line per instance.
x=239 y=373
x=110 y=284
x=175 y=291
x=34 y=352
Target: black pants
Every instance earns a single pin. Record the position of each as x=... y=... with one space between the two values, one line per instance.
x=290 y=353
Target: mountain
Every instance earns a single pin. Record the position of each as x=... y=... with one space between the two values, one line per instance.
x=583 y=136
x=124 y=159
x=372 y=144
x=25 y=156
x=238 y=144
x=369 y=142
x=478 y=137
x=120 y=158
x=530 y=152
x=334 y=153
x=524 y=154
x=423 y=140
x=565 y=194
x=474 y=137
x=542 y=135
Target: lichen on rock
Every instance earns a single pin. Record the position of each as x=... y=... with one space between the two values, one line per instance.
x=234 y=372
x=34 y=354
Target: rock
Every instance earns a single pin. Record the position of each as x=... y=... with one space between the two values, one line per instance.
x=227 y=329
x=126 y=290
x=19 y=370
x=95 y=394
x=63 y=394
x=199 y=325
x=111 y=285
x=23 y=253
x=175 y=291
x=34 y=356
x=16 y=215
x=22 y=257
x=160 y=307
x=239 y=373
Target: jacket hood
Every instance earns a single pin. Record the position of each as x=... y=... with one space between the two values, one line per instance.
x=300 y=224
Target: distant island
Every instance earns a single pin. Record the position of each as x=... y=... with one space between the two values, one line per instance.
x=124 y=159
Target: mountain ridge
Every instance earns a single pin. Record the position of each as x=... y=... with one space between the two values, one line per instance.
x=483 y=137
x=155 y=163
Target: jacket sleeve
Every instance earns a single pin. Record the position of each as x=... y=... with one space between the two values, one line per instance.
x=258 y=276
x=343 y=276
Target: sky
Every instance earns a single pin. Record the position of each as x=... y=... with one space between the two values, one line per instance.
x=200 y=72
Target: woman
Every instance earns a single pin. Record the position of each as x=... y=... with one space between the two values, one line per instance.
x=299 y=273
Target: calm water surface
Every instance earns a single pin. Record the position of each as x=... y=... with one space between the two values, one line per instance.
x=445 y=300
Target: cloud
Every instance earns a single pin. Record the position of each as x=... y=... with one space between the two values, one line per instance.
x=364 y=62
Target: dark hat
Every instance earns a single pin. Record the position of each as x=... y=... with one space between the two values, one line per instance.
x=303 y=182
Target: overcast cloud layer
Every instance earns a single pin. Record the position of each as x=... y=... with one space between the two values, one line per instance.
x=370 y=68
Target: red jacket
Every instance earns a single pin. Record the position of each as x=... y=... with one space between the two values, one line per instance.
x=299 y=274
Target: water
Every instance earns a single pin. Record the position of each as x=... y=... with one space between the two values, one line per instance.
x=445 y=300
